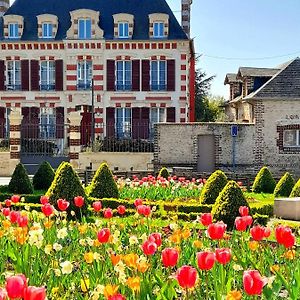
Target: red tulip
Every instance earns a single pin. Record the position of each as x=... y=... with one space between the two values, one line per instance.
x=23 y=221
x=6 y=212
x=107 y=213
x=35 y=293
x=15 y=286
x=169 y=257
x=3 y=294
x=156 y=238
x=79 y=201
x=149 y=247
x=144 y=210
x=253 y=282
x=63 y=204
x=267 y=232
x=285 y=236
x=121 y=210
x=223 y=255
x=186 y=277
x=216 y=230
x=241 y=223
x=206 y=260
x=14 y=216
x=97 y=206
x=257 y=232
x=206 y=219
x=138 y=202
x=15 y=198
x=47 y=209
x=44 y=199
x=8 y=202
x=117 y=297
x=244 y=211
x=103 y=235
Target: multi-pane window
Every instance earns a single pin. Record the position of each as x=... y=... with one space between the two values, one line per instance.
x=123 y=30
x=47 y=75
x=123 y=77
x=123 y=122
x=158 y=29
x=85 y=28
x=47 y=29
x=47 y=123
x=291 y=138
x=13 y=30
x=157 y=115
x=84 y=74
x=158 y=75
x=14 y=75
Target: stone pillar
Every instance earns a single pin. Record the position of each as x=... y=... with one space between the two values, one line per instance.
x=75 y=147
x=15 y=119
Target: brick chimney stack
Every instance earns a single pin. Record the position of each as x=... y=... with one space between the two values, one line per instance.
x=4 y=6
x=186 y=16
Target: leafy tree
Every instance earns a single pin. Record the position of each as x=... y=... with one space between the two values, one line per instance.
x=20 y=182
x=43 y=177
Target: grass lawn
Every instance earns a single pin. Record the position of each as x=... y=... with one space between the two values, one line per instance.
x=259 y=198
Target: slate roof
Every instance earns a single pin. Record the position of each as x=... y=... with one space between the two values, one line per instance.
x=30 y=9
x=230 y=78
x=257 y=72
x=285 y=84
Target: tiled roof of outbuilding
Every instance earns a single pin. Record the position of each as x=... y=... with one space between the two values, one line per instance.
x=257 y=72
x=62 y=8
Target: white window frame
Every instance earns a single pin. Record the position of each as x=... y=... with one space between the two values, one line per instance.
x=123 y=81
x=15 y=30
x=159 y=33
x=48 y=29
x=159 y=62
x=86 y=35
x=49 y=69
x=158 y=120
x=297 y=145
x=86 y=80
x=15 y=84
x=122 y=34
x=126 y=130
x=48 y=128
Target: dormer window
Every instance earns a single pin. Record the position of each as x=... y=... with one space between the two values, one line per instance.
x=47 y=29
x=13 y=30
x=158 y=30
x=158 y=25
x=123 y=30
x=84 y=28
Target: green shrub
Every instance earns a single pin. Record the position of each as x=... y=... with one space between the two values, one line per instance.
x=43 y=177
x=284 y=186
x=20 y=182
x=261 y=219
x=262 y=209
x=66 y=185
x=296 y=190
x=264 y=182
x=212 y=188
x=227 y=205
x=164 y=173
x=103 y=184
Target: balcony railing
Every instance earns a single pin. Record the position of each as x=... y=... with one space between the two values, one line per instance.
x=13 y=87
x=47 y=87
x=81 y=86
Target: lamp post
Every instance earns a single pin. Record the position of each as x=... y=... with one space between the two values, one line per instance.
x=93 y=117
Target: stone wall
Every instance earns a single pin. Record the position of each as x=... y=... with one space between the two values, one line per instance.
x=7 y=165
x=177 y=145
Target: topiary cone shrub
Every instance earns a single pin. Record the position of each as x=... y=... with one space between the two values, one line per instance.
x=284 y=186
x=103 y=184
x=264 y=182
x=20 y=182
x=212 y=188
x=296 y=190
x=67 y=185
x=43 y=177
x=227 y=205
x=164 y=173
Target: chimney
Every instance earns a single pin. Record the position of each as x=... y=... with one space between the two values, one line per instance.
x=4 y=6
x=186 y=16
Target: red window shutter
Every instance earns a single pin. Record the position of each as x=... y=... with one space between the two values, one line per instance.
x=25 y=75
x=171 y=75
x=145 y=122
x=110 y=122
x=110 y=75
x=59 y=75
x=33 y=128
x=60 y=128
x=135 y=75
x=171 y=114
x=145 y=75
x=35 y=75
x=2 y=122
x=136 y=122
x=2 y=75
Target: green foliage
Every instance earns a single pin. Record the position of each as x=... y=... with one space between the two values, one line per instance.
x=264 y=182
x=212 y=188
x=284 y=186
x=66 y=185
x=43 y=177
x=20 y=182
x=164 y=173
x=261 y=219
x=227 y=205
x=103 y=184
x=262 y=209
x=296 y=190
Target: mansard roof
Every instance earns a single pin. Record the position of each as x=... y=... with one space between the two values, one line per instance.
x=256 y=72
x=107 y=8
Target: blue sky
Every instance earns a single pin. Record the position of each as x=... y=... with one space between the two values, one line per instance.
x=243 y=29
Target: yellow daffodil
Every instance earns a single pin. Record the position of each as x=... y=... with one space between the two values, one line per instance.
x=253 y=245
x=115 y=258
x=274 y=268
x=134 y=283
x=110 y=290
x=290 y=254
x=197 y=244
x=85 y=284
x=234 y=295
x=131 y=260
x=89 y=257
